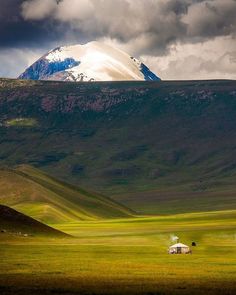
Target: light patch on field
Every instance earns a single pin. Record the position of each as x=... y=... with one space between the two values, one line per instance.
x=22 y=122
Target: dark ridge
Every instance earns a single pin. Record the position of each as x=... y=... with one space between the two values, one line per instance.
x=14 y=222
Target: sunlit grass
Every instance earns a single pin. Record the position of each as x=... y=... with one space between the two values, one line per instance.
x=22 y=122
x=127 y=256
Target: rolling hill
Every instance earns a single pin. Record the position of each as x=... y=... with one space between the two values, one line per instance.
x=16 y=223
x=156 y=147
x=48 y=200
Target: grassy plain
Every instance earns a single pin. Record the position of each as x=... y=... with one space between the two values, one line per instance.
x=125 y=256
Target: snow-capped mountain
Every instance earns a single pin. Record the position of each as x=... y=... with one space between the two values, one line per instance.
x=93 y=61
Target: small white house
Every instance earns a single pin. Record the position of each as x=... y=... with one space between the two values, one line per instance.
x=179 y=249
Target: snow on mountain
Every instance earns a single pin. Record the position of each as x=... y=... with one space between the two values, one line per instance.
x=93 y=61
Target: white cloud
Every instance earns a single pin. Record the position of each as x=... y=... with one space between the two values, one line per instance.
x=38 y=9
x=14 y=61
x=214 y=59
x=71 y=10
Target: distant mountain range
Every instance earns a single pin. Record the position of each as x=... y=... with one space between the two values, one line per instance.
x=94 y=61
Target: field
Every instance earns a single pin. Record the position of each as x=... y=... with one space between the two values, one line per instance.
x=125 y=256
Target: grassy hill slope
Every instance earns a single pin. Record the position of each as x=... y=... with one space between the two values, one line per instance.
x=38 y=195
x=16 y=223
x=139 y=142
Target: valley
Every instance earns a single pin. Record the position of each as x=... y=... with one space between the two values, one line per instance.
x=96 y=179
x=117 y=147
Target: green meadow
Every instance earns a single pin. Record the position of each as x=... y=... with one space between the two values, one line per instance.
x=125 y=256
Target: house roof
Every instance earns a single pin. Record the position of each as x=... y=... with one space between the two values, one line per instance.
x=179 y=245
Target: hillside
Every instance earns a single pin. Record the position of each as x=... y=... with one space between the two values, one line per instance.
x=48 y=200
x=16 y=223
x=146 y=144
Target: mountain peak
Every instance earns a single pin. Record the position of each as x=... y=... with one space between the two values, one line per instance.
x=94 y=61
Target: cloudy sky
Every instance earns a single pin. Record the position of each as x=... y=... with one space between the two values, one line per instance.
x=178 y=39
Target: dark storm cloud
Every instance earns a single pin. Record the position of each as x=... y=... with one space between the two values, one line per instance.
x=15 y=31
x=211 y=19
x=152 y=24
